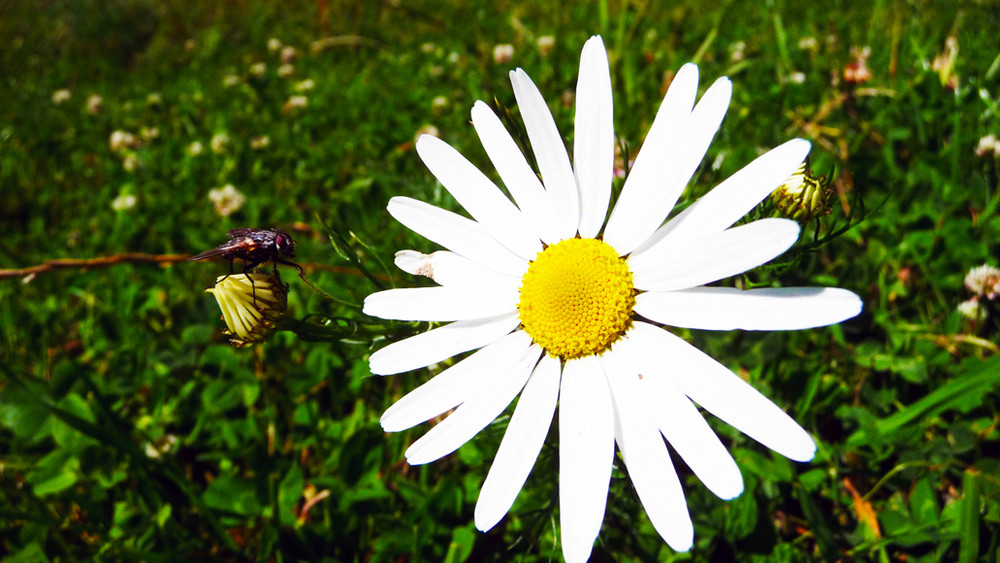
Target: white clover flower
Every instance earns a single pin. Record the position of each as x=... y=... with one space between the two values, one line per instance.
x=797 y=77
x=503 y=53
x=972 y=310
x=60 y=97
x=988 y=144
x=545 y=44
x=227 y=200
x=220 y=143
x=95 y=104
x=984 y=281
x=231 y=80
x=288 y=54
x=195 y=148
x=305 y=85
x=120 y=140
x=260 y=142
x=149 y=133
x=286 y=70
x=273 y=44
x=258 y=69
x=123 y=202
x=427 y=130
x=565 y=307
x=295 y=102
x=131 y=162
x=439 y=103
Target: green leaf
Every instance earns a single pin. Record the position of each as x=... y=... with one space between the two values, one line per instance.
x=963 y=393
x=233 y=494
x=289 y=493
x=969 y=519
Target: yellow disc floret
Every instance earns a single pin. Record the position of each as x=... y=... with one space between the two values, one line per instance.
x=576 y=298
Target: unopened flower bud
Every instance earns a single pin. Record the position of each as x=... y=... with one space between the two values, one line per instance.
x=803 y=197
x=252 y=305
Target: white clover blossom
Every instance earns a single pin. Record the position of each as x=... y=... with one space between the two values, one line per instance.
x=545 y=44
x=260 y=142
x=120 y=140
x=305 y=85
x=972 y=310
x=503 y=53
x=62 y=96
x=258 y=68
x=273 y=44
x=295 y=102
x=123 y=202
x=286 y=70
x=220 y=143
x=195 y=148
x=95 y=104
x=565 y=308
x=226 y=200
x=984 y=281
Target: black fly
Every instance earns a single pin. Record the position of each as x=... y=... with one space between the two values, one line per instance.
x=255 y=247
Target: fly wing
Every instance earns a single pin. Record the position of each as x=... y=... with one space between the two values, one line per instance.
x=237 y=233
x=220 y=250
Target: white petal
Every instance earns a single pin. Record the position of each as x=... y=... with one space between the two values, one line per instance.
x=678 y=419
x=594 y=137
x=441 y=343
x=451 y=303
x=474 y=414
x=726 y=308
x=550 y=153
x=459 y=234
x=521 y=443
x=456 y=384
x=646 y=457
x=738 y=194
x=722 y=393
x=586 y=451
x=448 y=268
x=517 y=175
x=479 y=196
x=645 y=179
x=671 y=265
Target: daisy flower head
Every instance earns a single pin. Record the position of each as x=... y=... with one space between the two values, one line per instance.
x=565 y=305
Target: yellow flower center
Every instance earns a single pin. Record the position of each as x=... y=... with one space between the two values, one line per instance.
x=576 y=298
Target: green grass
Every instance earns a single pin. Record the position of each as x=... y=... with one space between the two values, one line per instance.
x=131 y=430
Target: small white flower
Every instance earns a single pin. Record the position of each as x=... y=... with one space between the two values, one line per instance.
x=260 y=142
x=258 y=69
x=231 y=80
x=988 y=144
x=286 y=70
x=154 y=99
x=545 y=44
x=95 y=104
x=295 y=102
x=120 y=140
x=195 y=148
x=123 y=202
x=305 y=85
x=567 y=308
x=273 y=44
x=62 y=96
x=797 y=77
x=227 y=200
x=972 y=310
x=131 y=162
x=737 y=51
x=288 y=54
x=439 y=103
x=220 y=143
x=808 y=43
x=149 y=133
x=984 y=281
x=503 y=53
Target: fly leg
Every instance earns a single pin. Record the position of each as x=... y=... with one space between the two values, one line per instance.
x=301 y=274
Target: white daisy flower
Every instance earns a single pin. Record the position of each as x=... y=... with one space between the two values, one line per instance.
x=565 y=307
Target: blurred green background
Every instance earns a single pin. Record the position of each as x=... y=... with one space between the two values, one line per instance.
x=131 y=430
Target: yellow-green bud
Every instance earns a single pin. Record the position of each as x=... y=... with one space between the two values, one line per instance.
x=252 y=305
x=803 y=197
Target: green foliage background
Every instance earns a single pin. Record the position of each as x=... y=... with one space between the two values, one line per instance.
x=131 y=430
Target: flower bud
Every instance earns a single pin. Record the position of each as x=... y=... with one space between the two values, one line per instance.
x=803 y=197
x=252 y=305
